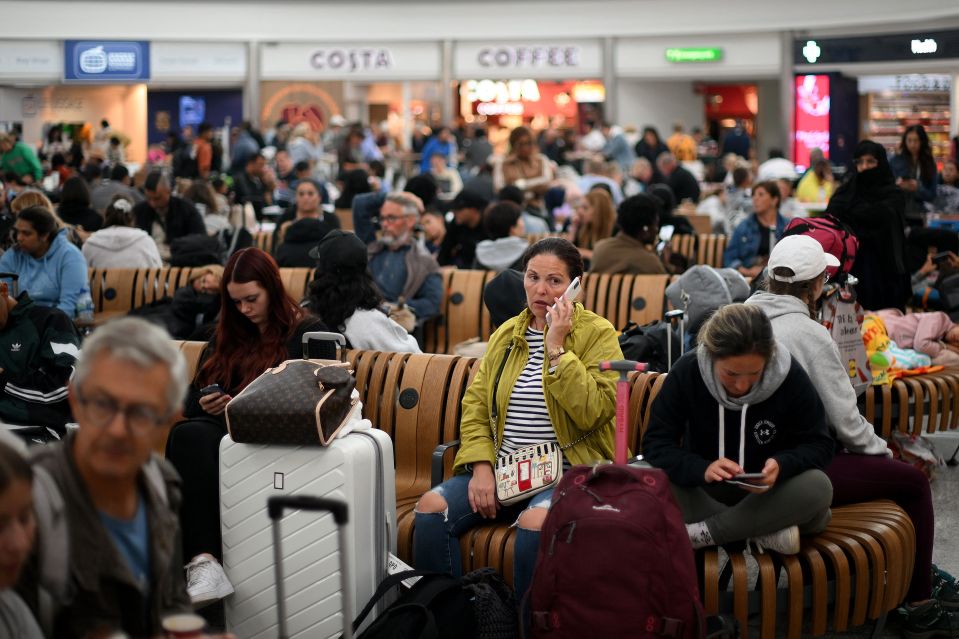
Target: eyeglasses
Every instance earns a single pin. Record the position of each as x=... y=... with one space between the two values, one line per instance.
x=390 y=219
x=101 y=410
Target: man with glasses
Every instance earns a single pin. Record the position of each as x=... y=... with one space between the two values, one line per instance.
x=106 y=504
x=400 y=265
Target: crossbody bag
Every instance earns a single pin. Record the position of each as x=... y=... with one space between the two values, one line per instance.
x=528 y=470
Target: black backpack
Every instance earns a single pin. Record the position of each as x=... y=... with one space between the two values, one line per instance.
x=197 y=249
x=649 y=344
x=477 y=606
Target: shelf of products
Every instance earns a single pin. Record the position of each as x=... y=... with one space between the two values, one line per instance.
x=888 y=115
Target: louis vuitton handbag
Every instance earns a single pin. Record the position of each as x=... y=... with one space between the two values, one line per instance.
x=300 y=402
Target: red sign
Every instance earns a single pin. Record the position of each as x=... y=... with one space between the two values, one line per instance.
x=812 y=117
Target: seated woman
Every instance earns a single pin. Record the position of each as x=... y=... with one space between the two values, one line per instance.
x=51 y=269
x=863 y=469
x=748 y=248
x=539 y=384
x=507 y=241
x=75 y=208
x=298 y=234
x=594 y=219
x=345 y=297
x=740 y=404
x=119 y=244
x=260 y=326
x=18 y=529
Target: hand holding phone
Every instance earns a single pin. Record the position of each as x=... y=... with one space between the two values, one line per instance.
x=941 y=257
x=571 y=293
x=212 y=389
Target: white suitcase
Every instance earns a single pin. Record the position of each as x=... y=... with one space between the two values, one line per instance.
x=357 y=469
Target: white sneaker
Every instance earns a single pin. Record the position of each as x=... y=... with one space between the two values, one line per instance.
x=785 y=541
x=205 y=581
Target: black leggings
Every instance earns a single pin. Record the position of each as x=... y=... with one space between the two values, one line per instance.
x=194 y=450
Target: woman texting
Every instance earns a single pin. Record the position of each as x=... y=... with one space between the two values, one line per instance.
x=537 y=383
x=863 y=470
x=740 y=404
x=260 y=326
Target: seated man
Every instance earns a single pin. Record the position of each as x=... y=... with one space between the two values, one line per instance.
x=164 y=216
x=401 y=266
x=38 y=349
x=108 y=552
x=464 y=232
x=628 y=251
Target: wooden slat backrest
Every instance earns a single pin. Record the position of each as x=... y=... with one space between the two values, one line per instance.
x=702 y=224
x=117 y=292
x=263 y=240
x=711 y=248
x=641 y=300
x=192 y=353
x=346 y=219
x=464 y=306
x=687 y=246
x=435 y=330
x=295 y=281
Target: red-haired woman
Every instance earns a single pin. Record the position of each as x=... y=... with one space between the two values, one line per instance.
x=260 y=326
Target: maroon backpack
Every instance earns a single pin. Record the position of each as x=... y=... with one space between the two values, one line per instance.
x=614 y=559
x=835 y=237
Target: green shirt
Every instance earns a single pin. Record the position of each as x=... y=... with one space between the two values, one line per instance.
x=21 y=160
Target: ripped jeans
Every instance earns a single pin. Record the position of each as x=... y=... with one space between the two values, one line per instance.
x=436 y=543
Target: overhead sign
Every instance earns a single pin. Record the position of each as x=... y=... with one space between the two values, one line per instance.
x=574 y=58
x=198 y=60
x=694 y=54
x=882 y=47
x=106 y=61
x=373 y=61
x=28 y=59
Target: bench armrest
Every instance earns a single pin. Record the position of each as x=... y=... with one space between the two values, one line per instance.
x=437 y=465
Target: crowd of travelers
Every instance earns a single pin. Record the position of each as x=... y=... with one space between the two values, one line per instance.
x=762 y=391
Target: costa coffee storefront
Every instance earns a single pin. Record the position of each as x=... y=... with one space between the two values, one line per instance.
x=396 y=84
x=533 y=83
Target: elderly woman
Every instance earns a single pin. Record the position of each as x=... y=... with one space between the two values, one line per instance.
x=539 y=382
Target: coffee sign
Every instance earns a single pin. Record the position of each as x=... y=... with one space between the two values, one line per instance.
x=352 y=59
x=529 y=59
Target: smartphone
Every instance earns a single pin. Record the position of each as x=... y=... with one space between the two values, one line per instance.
x=665 y=235
x=571 y=293
x=212 y=389
x=749 y=476
x=940 y=258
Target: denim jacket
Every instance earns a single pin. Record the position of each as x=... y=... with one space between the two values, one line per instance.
x=743 y=246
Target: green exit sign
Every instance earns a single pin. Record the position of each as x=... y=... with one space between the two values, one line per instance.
x=694 y=54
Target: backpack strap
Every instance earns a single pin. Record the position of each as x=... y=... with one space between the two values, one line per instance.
x=154 y=477
x=391 y=581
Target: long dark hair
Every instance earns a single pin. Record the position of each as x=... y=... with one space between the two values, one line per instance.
x=927 y=164
x=75 y=194
x=334 y=297
x=241 y=352
x=560 y=248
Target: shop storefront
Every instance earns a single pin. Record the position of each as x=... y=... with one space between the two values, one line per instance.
x=396 y=83
x=534 y=83
x=897 y=80
x=710 y=81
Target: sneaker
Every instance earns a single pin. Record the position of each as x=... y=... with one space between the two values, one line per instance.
x=205 y=581
x=785 y=541
x=945 y=588
x=928 y=620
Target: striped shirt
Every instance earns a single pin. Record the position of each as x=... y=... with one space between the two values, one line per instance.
x=527 y=420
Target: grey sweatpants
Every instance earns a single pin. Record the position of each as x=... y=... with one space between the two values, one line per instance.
x=733 y=514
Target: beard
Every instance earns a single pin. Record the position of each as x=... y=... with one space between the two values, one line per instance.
x=390 y=241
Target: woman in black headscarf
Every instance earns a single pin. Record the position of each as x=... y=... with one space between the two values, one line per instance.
x=873 y=206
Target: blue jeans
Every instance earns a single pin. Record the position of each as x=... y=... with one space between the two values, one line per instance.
x=436 y=543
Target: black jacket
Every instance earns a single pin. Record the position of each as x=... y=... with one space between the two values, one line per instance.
x=82 y=216
x=683 y=433
x=300 y=238
x=182 y=218
x=684 y=185
x=459 y=245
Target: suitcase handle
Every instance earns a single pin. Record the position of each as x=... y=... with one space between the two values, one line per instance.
x=326 y=336
x=275 y=507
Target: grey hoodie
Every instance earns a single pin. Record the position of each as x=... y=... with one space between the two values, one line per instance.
x=501 y=254
x=811 y=345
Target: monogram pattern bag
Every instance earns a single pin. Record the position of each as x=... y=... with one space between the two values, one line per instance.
x=300 y=402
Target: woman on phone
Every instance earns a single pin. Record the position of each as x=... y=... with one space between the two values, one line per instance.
x=539 y=382
x=740 y=404
x=260 y=326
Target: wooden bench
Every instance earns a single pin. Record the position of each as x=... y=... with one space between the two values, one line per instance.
x=922 y=403
x=263 y=240
x=711 y=249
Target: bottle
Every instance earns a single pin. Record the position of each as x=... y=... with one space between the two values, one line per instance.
x=85 y=305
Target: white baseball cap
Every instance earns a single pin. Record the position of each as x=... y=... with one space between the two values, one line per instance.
x=801 y=253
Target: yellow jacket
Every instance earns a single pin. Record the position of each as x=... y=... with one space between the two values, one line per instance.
x=579 y=397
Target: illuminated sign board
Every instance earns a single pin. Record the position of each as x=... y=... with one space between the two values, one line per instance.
x=694 y=54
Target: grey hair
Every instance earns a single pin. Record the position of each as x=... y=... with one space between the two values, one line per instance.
x=412 y=205
x=141 y=343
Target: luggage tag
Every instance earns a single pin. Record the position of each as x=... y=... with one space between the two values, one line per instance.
x=394 y=565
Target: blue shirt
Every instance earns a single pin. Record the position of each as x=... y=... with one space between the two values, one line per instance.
x=132 y=538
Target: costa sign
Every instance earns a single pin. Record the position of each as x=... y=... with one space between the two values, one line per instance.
x=529 y=57
x=352 y=59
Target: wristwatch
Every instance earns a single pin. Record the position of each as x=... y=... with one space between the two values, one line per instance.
x=556 y=354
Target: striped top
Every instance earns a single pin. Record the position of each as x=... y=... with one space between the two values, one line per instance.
x=527 y=420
